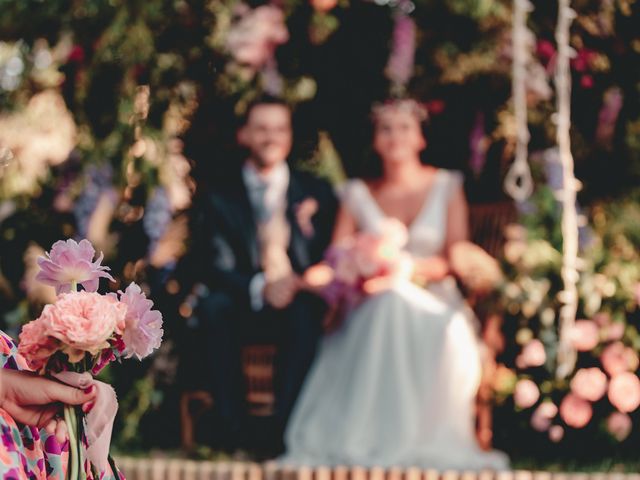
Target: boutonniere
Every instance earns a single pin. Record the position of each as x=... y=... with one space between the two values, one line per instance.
x=304 y=212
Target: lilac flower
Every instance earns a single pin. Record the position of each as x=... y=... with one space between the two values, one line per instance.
x=400 y=63
x=70 y=262
x=143 y=330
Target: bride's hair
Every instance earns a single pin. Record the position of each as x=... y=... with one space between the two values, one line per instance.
x=409 y=105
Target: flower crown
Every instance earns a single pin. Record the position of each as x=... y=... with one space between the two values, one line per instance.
x=408 y=105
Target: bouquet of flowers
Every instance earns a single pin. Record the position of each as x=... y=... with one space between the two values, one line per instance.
x=79 y=334
x=367 y=256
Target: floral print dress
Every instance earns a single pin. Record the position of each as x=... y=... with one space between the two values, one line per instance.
x=28 y=453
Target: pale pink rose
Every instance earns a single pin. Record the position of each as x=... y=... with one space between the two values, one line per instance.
x=575 y=411
x=585 y=335
x=83 y=322
x=69 y=262
x=624 y=392
x=143 y=326
x=619 y=425
x=533 y=354
x=543 y=415
x=35 y=345
x=556 y=433
x=616 y=358
x=637 y=294
x=589 y=383
x=526 y=393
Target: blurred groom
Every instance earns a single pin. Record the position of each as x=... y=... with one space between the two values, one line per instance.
x=255 y=234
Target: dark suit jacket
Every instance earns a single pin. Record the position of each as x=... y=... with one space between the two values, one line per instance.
x=224 y=234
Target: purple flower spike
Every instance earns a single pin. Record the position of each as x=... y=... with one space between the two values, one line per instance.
x=69 y=262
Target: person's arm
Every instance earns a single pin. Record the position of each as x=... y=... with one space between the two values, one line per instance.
x=213 y=255
x=437 y=267
x=345 y=225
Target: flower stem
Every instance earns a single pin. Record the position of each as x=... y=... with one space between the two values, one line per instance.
x=70 y=419
x=74 y=286
x=82 y=474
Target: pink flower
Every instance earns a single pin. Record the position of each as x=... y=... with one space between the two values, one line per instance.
x=575 y=411
x=624 y=392
x=83 y=322
x=526 y=393
x=533 y=354
x=614 y=331
x=69 y=262
x=556 y=433
x=616 y=358
x=619 y=425
x=584 y=335
x=589 y=384
x=36 y=346
x=586 y=81
x=366 y=254
x=546 y=50
x=323 y=5
x=143 y=326
x=543 y=415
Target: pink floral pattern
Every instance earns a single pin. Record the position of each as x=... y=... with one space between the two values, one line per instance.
x=29 y=453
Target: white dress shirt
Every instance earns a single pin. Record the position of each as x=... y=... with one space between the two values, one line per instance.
x=268 y=197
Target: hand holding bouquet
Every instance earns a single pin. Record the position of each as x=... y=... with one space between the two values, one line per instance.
x=81 y=333
x=363 y=264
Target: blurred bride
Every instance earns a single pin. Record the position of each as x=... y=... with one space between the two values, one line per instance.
x=394 y=384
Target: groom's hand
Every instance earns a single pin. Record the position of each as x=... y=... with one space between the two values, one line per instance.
x=280 y=292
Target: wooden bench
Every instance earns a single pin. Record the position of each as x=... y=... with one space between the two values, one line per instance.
x=487 y=222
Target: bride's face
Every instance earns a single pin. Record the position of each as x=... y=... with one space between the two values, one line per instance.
x=398 y=137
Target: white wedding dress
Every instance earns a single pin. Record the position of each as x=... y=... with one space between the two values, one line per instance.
x=395 y=385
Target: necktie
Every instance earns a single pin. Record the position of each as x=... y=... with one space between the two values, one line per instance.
x=260 y=204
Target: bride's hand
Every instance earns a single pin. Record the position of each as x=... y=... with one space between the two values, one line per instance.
x=379 y=284
x=317 y=277
x=430 y=269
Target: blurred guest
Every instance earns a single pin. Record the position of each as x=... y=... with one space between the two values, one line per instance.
x=395 y=383
x=255 y=233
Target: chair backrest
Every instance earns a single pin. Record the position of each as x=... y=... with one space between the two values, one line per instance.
x=487 y=222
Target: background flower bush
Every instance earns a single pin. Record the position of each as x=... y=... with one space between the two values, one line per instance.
x=598 y=403
x=135 y=99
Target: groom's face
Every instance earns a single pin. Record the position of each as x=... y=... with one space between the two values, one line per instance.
x=267 y=134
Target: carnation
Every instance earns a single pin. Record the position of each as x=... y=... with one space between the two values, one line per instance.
x=70 y=263
x=143 y=326
x=83 y=322
x=36 y=346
